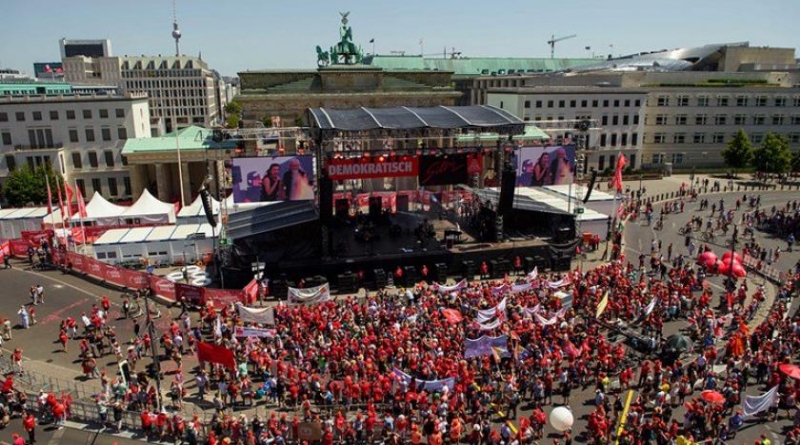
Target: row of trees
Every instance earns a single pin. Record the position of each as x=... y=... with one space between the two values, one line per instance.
x=772 y=156
x=26 y=186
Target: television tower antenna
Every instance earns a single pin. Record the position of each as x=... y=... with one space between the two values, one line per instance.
x=553 y=40
x=176 y=33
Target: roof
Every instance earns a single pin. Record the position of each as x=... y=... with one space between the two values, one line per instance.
x=98 y=207
x=160 y=233
x=193 y=138
x=476 y=66
x=136 y=235
x=26 y=212
x=532 y=133
x=578 y=192
x=401 y=118
x=112 y=236
x=537 y=200
x=184 y=231
x=147 y=204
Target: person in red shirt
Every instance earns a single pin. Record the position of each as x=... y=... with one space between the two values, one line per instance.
x=29 y=423
x=17 y=439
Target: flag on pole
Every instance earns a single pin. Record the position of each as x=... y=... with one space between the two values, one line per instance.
x=616 y=181
x=81 y=203
x=61 y=204
x=755 y=404
x=601 y=307
x=49 y=196
x=211 y=353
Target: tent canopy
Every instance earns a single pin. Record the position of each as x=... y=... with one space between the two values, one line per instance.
x=149 y=208
x=99 y=209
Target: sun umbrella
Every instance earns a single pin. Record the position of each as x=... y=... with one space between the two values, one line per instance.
x=679 y=342
x=712 y=396
x=790 y=370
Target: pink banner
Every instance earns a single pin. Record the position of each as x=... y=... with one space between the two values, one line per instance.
x=251 y=291
x=113 y=275
x=224 y=297
x=78 y=262
x=163 y=287
x=94 y=267
x=18 y=247
x=135 y=279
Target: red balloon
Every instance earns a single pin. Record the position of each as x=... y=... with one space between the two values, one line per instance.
x=739 y=270
x=707 y=259
x=735 y=255
x=724 y=268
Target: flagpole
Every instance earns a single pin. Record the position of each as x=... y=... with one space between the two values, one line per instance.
x=80 y=215
x=50 y=207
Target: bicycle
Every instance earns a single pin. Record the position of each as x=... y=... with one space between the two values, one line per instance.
x=709 y=237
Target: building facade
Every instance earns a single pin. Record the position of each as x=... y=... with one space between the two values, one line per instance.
x=80 y=136
x=85 y=47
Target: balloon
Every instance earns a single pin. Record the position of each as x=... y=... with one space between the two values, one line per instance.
x=735 y=255
x=561 y=418
x=738 y=270
x=724 y=268
x=707 y=259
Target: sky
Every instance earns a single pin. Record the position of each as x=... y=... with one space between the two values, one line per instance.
x=241 y=35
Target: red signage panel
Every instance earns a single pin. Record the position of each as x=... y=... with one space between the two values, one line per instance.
x=135 y=279
x=113 y=275
x=163 y=287
x=362 y=168
x=193 y=294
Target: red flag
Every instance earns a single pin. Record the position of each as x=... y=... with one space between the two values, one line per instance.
x=452 y=316
x=68 y=193
x=81 y=204
x=616 y=181
x=49 y=197
x=61 y=204
x=47 y=69
x=207 y=352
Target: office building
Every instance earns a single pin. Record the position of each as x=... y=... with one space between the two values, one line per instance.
x=85 y=48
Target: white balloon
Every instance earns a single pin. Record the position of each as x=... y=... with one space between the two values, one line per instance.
x=561 y=418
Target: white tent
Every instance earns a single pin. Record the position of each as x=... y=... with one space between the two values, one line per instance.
x=101 y=212
x=14 y=221
x=148 y=209
x=160 y=244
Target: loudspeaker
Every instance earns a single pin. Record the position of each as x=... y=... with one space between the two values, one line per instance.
x=342 y=208
x=561 y=235
x=380 y=278
x=410 y=275
x=325 y=198
x=591 y=187
x=205 y=198
x=375 y=206
x=506 y=203
x=348 y=283
x=402 y=203
x=440 y=269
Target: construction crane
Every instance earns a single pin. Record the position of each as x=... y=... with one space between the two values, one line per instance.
x=553 y=40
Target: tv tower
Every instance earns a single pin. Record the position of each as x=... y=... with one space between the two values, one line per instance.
x=176 y=33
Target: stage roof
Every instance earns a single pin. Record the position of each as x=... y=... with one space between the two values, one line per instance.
x=415 y=118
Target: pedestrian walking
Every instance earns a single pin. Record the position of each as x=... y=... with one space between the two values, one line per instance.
x=29 y=423
x=23 y=317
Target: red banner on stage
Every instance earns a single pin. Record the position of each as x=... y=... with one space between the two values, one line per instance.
x=193 y=294
x=77 y=262
x=374 y=167
x=163 y=287
x=135 y=279
x=35 y=237
x=224 y=297
x=113 y=274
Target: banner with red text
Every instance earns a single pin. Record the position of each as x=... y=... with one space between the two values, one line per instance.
x=35 y=237
x=224 y=297
x=373 y=167
x=77 y=261
x=135 y=279
x=244 y=332
x=18 y=247
x=94 y=267
x=163 y=287
x=113 y=274
x=193 y=294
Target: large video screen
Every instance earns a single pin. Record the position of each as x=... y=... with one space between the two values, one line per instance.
x=538 y=166
x=273 y=178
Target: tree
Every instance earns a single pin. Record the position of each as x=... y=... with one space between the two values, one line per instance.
x=774 y=155
x=739 y=151
x=26 y=185
x=233 y=107
x=232 y=121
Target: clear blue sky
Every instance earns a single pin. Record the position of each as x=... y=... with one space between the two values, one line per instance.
x=237 y=35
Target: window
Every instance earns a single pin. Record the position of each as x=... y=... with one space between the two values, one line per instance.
x=6 y=138
x=126 y=183
x=93 y=159
x=701 y=119
x=699 y=138
x=661 y=119
x=720 y=119
x=738 y=119
x=635 y=119
x=635 y=139
x=109 y=155
x=584 y=103
x=73 y=135
x=616 y=102
x=96 y=185
x=658 y=158
x=81 y=186
x=87 y=114
x=615 y=120
x=780 y=101
x=595 y=103
x=761 y=101
x=718 y=138
x=122 y=133
x=538 y=104
x=573 y=103
x=659 y=138
x=37 y=115
x=527 y=105
x=89 y=135
x=549 y=104
x=603 y=139
x=604 y=120
x=795 y=119
x=796 y=101
x=741 y=101
x=601 y=162
x=105 y=133
x=679 y=138
x=562 y=104
x=605 y=103
x=625 y=120
x=759 y=119
x=112 y=187
x=756 y=138
x=103 y=113
x=20 y=116
x=70 y=114
x=722 y=101
x=778 y=119
x=53 y=115
x=680 y=119
x=614 y=139
x=702 y=101
x=662 y=101
x=76 y=160
x=677 y=158
x=794 y=138
x=3 y=117
x=683 y=101
x=638 y=103
x=120 y=112
x=624 y=140
x=11 y=163
x=627 y=102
